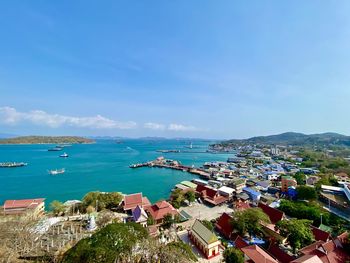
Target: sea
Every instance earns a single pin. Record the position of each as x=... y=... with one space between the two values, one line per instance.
x=101 y=166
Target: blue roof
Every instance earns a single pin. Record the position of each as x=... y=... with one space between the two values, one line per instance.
x=251 y=191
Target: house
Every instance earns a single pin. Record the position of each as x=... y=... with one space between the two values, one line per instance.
x=274 y=214
x=308 y=259
x=226 y=191
x=328 y=251
x=224 y=226
x=287 y=181
x=160 y=209
x=237 y=184
x=254 y=195
x=210 y=195
x=25 y=207
x=241 y=205
x=320 y=234
x=280 y=254
x=342 y=177
x=140 y=216
x=256 y=254
x=312 y=180
x=131 y=201
x=189 y=184
x=204 y=239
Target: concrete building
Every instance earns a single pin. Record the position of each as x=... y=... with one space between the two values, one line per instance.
x=26 y=207
x=204 y=239
x=287 y=181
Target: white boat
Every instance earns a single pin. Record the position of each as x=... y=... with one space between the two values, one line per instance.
x=64 y=155
x=57 y=171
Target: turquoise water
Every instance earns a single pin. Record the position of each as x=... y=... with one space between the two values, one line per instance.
x=102 y=166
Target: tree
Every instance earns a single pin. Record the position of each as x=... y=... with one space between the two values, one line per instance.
x=249 y=221
x=57 y=207
x=113 y=243
x=168 y=220
x=306 y=192
x=150 y=220
x=177 y=198
x=297 y=231
x=233 y=255
x=190 y=196
x=300 y=178
x=101 y=200
x=90 y=209
x=208 y=224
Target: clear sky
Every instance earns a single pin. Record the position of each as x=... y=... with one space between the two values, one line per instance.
x=211 y=69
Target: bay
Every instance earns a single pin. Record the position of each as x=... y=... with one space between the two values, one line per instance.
x=102 y=166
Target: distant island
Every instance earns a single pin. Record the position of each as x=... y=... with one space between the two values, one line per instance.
x=294 y=139
x=46 y=140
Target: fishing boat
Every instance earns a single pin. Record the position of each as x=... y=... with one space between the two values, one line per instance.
x=64 y=155
x=57 y=171
x=55 y=149
x=12 y=164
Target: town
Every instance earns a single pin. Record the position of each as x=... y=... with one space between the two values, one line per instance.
x=264 y=204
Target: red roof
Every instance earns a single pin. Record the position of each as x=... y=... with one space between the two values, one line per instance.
x=328 y=252
x=224 y=225
x=279 y=254
x=308 y=259
x=320 y=234
x=133 y=200
x=24 y=203
x=257 y=254
x=274 y=214
x=242 y=205
x=160 y=209
x=240 y=243
x=206 y=191
x=343 y=238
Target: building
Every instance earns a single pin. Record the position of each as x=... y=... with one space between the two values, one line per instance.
x=253 y=195
x=274 y=214
x=226 y=191
x=210 y=195
x=189 y=184
x=342 y=178
x=130 y=202
x=286 y=182
x=140 y=216
x=204 y=239
x=238 y=184
x=25 y=207
x=256 y=254
x=160 y=209
x=224 y=226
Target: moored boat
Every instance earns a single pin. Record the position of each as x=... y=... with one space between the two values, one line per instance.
x=57 y=171
x=64 y=155
x=12 y=164
x=55 y=149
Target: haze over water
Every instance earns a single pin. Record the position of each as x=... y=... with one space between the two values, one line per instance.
x=103 y=166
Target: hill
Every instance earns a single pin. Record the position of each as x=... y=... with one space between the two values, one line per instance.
x=45 y=140
x=295 y=139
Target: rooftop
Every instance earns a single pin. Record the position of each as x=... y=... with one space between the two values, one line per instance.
x=203 y=232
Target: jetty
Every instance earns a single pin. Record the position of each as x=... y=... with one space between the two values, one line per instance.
x=161 y=162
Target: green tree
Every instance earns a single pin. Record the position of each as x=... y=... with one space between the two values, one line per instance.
x=168 y=220
x=57 y=207
x=249 y=221
x=233 y=255
x=297 y=231
x=150 y=220
x=177 y=197
x=306 y=192
x=111 y=244
x=102 y=200
x=300 y=178
x=190 y=196
x=208 y=224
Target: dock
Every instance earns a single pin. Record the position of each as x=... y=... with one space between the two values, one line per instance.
x=174 y=165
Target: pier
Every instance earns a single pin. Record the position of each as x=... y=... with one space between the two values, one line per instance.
x=160 y=162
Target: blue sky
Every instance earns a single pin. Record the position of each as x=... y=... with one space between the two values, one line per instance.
x=211 y=69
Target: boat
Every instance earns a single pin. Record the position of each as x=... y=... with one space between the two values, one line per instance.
x=55 y=149
x=12 y=164
x=64 y=155
x=57 y=171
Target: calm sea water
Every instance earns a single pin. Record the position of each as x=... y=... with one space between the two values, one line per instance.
x=103 y=166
